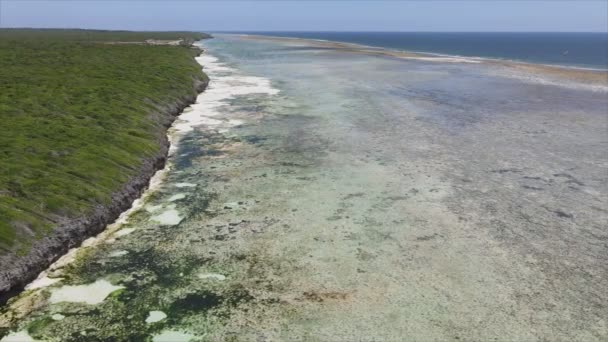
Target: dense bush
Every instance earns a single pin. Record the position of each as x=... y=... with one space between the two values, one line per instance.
x=77 y=116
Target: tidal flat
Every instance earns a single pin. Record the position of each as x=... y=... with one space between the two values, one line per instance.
x=318 y=194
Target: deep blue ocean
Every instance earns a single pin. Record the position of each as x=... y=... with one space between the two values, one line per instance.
x=588 y=50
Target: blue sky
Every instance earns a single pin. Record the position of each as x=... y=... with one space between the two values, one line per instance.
x=344 y=15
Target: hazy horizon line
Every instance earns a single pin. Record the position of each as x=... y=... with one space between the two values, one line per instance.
x=286 y=31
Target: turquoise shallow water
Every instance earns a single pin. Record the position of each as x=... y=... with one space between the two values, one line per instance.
x=320 y=194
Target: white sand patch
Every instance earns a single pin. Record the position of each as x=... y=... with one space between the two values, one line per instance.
x=153 y=208
x=155 y=316
x=42 y=281
x=20 y=336
x=124 y=231
x=117 y=254
x=58 y=317
x=168 y=217
x=172 y=336
x=177 y=197
x=93 y=293
x=215 y=276
x=184 y=185
x=226 y=85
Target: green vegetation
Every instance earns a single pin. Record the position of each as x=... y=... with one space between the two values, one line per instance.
x=78 y=116
x=92 y=36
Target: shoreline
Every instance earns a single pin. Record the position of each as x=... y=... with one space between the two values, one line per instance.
x=72 y=233
x=596 y=78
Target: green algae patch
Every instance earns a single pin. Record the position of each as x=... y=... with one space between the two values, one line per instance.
x=35 y=328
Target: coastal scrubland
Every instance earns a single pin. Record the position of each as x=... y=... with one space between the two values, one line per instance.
x=97 y=36
x=78 y=117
